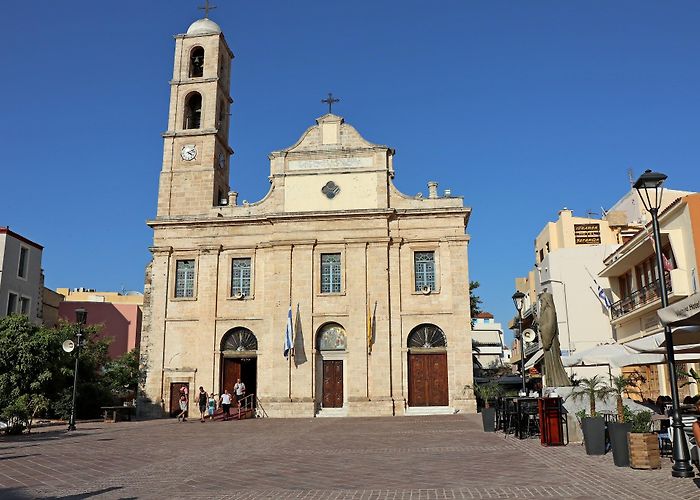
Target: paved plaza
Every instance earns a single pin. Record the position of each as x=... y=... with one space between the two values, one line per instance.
x=358 y=458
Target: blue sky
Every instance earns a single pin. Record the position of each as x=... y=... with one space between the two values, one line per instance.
x=522 y=107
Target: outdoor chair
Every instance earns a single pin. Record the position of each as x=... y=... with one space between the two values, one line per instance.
x=529 y=419
x=510 y=417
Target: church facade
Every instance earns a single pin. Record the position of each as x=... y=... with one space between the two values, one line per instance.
x=370 y=285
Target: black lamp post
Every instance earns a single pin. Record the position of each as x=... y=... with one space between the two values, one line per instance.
x=518 y=300
x=650 y=189
x=80 y=319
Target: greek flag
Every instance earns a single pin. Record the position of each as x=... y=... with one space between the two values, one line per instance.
x=602 y=296
x=288 y=334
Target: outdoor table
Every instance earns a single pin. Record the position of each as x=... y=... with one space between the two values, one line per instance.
x=116 y=413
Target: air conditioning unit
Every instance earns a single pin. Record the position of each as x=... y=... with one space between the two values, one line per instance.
x=223 y=201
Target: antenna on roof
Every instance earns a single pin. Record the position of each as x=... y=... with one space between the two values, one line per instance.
x=630 y=176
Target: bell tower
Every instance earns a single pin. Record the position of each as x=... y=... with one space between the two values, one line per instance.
x=196 y=153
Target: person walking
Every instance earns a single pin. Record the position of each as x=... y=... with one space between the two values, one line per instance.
x=211 y=405
x=202 y=400
x=239 y=389
x=226 y=403
x=183 y=409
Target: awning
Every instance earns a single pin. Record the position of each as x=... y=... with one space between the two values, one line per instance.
x=536 y=358
x=607 y=354
x=685 y=312
x=623 y=355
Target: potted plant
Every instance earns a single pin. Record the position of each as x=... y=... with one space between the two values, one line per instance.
x=643 y=444
x=487 y=392
x=618 y=430
x=592 y=425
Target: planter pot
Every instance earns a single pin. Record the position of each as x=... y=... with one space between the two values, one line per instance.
x=620 y=446
x=594 y=435
x=644 y=450
x=488 y=417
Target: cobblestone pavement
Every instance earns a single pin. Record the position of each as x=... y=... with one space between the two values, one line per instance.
x=351 y=458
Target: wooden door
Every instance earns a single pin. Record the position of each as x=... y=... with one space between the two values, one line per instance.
x=175 y=397
x=231 y=371
x=427 y=380
x=332 y=384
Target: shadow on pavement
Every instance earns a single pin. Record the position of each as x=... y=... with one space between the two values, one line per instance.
x=89 y=494
x=10 y=457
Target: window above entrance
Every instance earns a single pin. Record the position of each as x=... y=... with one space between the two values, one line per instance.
x=239 y=339
x=426 y=336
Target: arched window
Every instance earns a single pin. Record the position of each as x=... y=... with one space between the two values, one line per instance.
x=331 y=337
x=239 y=339
x=426 y=336
x=193 y=110
x=197 y=62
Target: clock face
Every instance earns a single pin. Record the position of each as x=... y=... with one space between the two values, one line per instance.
x=188 y=152
x=222 y=160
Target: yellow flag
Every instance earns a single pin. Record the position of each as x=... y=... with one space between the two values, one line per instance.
x=370 y=328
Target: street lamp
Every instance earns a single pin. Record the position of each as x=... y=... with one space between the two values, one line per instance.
x=519 y=300
x=80 y=319
x=650 y=189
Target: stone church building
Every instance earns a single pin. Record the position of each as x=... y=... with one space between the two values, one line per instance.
x=376 y=281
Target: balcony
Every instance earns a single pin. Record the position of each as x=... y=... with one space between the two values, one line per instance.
x=641 y=297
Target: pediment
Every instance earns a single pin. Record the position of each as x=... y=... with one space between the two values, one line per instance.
x=330 y=134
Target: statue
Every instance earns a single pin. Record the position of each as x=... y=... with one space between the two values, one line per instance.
x=549 y=334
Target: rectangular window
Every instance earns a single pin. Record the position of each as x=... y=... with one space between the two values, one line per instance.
x=330 y=273
x=240 y=278
x=23 y=262
x=24 y=306
x=425 y=270
x=11 y=303
x=184 y=278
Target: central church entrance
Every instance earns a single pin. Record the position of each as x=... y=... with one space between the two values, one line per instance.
x=427 y=367
x=239 y=360
x=331 y=345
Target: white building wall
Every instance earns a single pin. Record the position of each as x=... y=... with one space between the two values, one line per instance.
x=568 y=274
x=30 y=286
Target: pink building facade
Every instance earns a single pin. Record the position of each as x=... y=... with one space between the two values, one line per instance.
x=121 y=322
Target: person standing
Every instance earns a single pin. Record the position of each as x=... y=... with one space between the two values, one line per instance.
x=211 y=405
x=226 y=403
x=239 y=389
x=183 y=409
x=202 y=400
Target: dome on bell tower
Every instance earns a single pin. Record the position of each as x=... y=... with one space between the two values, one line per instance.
x=203 y=27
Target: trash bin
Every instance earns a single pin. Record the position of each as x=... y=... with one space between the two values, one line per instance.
x=552 y=422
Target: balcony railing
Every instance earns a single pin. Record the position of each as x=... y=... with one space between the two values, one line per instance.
x=639 y=298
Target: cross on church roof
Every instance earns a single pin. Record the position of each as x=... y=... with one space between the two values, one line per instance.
x=206 y=8
x=330 y=101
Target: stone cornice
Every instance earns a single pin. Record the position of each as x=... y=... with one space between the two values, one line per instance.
x=216 y=220
x=164 y=250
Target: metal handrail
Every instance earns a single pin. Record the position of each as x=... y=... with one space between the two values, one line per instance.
x=252 y=403
x=641 y=297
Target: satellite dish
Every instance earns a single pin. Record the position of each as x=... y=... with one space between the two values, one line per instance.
x=68 y=346
x=529 y=335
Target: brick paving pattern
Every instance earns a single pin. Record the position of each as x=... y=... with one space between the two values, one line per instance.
x=352 y=458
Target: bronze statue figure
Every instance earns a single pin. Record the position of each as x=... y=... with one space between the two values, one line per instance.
x=549 y=332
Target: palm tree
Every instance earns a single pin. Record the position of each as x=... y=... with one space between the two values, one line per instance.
x=592 y=388
x=620 y=385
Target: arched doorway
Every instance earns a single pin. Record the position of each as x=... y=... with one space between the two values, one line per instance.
x=239 y=359
x=331 y=344
x=427 y=367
